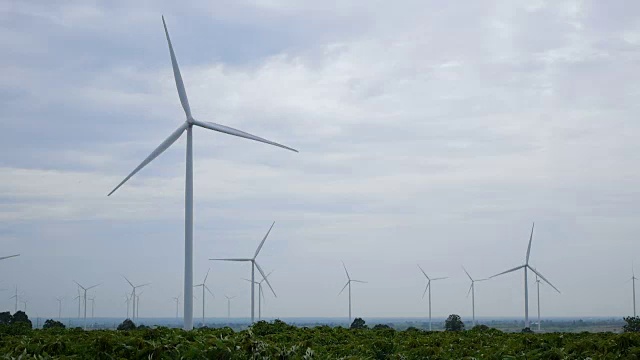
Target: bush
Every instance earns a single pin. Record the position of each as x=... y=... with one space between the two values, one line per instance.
x=526 y=331
x=453 y=323
x=480 y=328
x=632 y=324
x=127 y=325
x=53 y=324
x=382 y=327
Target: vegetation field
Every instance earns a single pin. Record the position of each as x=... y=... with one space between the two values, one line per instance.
x=278 y=340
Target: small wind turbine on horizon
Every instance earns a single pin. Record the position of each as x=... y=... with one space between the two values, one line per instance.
x=24 y=302
x=93 y=305
x=526 y=267
x=229 y=305
x=79 y=298
x=134 y=314
x=472 y=290
x=177 y=299
x=128 y=301
x=204 y=287
x=15 y=296
x=188 y=126
x=85 y=300
x=260 y=294
x=254 y=265
x=633 y=281
x=349 y=281
x=59 y=299
x=428 y=287
x=137 y=301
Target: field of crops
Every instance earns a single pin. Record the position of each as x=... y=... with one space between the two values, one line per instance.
x=281 y=341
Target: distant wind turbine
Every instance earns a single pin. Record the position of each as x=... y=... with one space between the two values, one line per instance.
x=177 y=299
x=633 y=282
x=538 y=292
x=10 y=256
x=137 y=301
x=133 y=296
x=254 y=265
x=85 y=300
x=429 y=280
x=349 y=281
x=260 y=294
x=24 y=302
x=93 y=305
x=59 y=299
x=472 y=290
x=526 y=286
x=16 y=298
x=79 y=298
x=204 y=287
x=128 y=301
x=188 y=125
x=229 y=305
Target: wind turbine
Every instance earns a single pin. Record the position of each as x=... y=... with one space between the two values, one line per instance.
x=429 y=280
x=260 y=294
x=15 y=297
x=85 y=300
x=538 y=292
x=93 y=305
x=472 y=290
x=254 y=265
x=229 y=306
x=8 y=257
x=633 y=281
x=133 y=296
x=79 y=298
x=24 y=302
x=349 y=281
x=204 y=286
x=188 y=126
x=59 y=299
x=127 y=301
x=137 y=301
x=177 y=299
x=526 y=287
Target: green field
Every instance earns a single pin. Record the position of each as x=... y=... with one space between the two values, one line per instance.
x=281 y=341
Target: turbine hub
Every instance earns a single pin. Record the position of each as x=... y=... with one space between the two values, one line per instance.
x=189 y=120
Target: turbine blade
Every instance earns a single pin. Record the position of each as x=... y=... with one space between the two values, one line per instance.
x=177 y=76
x=143 y=285
x=265 y=279
x=263 y=240
x=7 y=257
x=543 y=278
x=345 y=286
x=269 y=274
x=359 y=281
x=530 y=239
x=206 y=276
x=231 y=259
x=466 y=272
x=206 y=287
x=154 y=154
x=440 y=278
x=128 y=281
x=79 y=285
x=482 y=279
x=425 y=274
x=239 y=133
x=426 y=288
x=91 y=287
x=345 y=270
x=469 y=292
x=508 y=271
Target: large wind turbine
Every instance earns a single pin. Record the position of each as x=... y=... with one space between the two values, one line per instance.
x=254 y=265
x=204 y=287
x=349 y=281
x=85 y=300
x=260 y=294
x=8 y=257
x=187 y=126
x=472 y=290
x=133 y=296
x=429 y=280
x=229 y=305
x=526 y=267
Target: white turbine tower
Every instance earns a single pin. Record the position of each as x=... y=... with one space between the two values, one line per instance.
x=128 y=301
x=177 y=299
x=137 y=301
x=526 y=267
x=24 y=302
x=85 y=300
x=260 y=294
x=349 y=281
x=204 y=287
x=429 y=280
x=59 y=299
x=134 y=314
x=79 y=298
x=229 y=305
x=187 y=126
x=93 y=306
x=538 y=293
x=15 y=296
x=472 y=290
x=254 y=265
x=8 y=257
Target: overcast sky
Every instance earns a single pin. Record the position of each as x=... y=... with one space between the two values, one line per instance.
x=429 y=133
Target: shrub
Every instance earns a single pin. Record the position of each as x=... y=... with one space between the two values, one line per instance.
x=127 y=325
x=453 y=323
x=358 y=323
x=526 y=331
x=632 y=324
x=53 y=324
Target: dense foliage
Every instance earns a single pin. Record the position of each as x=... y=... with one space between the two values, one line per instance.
x=453 y=323
x=278 y=340
x=53 y=324
x=632 y=324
